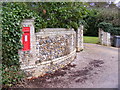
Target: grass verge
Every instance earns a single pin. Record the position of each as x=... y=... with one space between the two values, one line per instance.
x=91 y=39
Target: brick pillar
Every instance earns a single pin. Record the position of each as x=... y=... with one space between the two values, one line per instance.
x=79 y=39
x=28 y=57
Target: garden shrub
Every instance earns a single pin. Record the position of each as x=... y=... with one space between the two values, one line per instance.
x=105 y=26
x=108 y=27
x=11 y=75
x=115 y=31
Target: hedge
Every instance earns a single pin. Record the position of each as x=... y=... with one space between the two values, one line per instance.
x=108 y=27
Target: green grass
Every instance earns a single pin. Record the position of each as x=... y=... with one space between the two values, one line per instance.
x=91 y=39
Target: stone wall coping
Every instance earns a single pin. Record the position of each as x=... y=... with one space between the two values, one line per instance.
x=28 y=20
x=52 y=32
x=55 y=29
x=103 y=30
x=29 y=67
x=47 y=62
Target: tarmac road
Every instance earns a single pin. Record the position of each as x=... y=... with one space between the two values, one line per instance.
x=107 y=74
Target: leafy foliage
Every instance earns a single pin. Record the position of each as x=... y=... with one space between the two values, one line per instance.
x=91 y=23
x=108 y=27
x=109 y=15
x=105 y=26
x=11 y=75
x=59 y=14
x=115 y=31
x=104 y=12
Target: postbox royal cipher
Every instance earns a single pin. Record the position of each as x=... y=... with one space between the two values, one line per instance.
x=26 y=38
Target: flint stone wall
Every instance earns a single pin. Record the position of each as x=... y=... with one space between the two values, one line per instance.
x=54 y=48
x=54 y=44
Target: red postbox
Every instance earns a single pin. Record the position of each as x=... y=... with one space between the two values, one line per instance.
x=26 y=38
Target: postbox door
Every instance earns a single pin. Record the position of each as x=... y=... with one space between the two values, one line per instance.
x=26 y=40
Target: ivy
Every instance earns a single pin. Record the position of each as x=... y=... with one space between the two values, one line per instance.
x=12 y=16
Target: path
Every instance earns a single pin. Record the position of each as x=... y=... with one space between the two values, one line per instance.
x=95 y=67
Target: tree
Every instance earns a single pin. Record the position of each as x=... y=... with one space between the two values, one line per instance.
x=60 y=14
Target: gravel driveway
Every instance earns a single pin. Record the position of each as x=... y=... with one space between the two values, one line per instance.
x=95 y=67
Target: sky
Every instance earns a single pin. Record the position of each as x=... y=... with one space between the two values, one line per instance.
x=116 y=1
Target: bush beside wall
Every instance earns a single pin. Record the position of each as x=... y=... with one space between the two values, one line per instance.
x=108 y=27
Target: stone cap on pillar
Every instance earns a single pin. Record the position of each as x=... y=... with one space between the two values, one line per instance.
x=81 y=27
x=30 y=20
x=27 y=22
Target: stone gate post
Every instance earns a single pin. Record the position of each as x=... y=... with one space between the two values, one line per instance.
x=79 y=38
x=104 y=38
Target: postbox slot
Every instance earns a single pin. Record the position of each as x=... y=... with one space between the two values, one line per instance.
x=27 y=31
x=26 y=38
